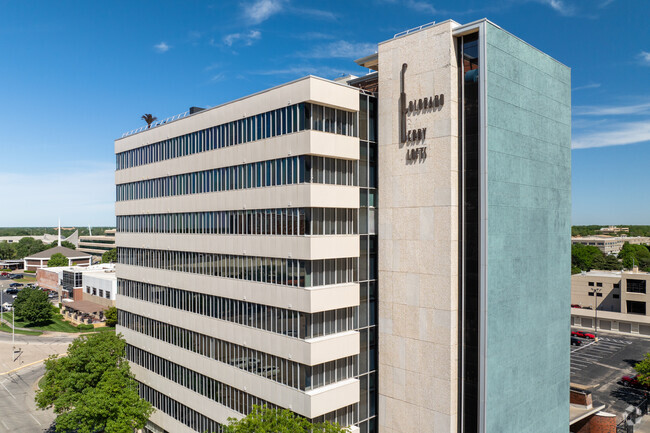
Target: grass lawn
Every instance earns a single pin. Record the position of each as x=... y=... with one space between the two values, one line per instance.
x=25 y=280
x=57 y=324
x=5 y=328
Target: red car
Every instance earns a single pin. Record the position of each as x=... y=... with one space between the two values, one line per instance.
x=575 y=306
x=4 y=274
x=633 y=382
x=582 y=334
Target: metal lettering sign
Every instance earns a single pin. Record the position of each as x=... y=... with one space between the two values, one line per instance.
x=415 y=107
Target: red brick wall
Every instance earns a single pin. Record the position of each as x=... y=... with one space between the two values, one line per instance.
x=595 y=424
x=580 y=398
x=47 y=280
x=77 y=294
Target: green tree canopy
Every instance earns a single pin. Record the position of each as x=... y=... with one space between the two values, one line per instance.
x=56 y=260
x=643 y=368
x=7 y=251
x=635 y=254
x=63 y=244
x=111 y=316
x=265 y=420
x=92 y=389
x=110 y=256
x=33 y=305
x=28 y=246
x=583 y=256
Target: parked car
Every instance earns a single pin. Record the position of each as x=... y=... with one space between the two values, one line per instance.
x=633 y=382
x=12 y=291
x=15 y=285
x=575 y=306
x=582 y=334
x=4 y=274
x=576 y=341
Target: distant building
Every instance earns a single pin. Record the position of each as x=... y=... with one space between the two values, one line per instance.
x=39 y=260
x=620 y=292
x=609 y=244
x=46 y=238
x=614 y=229
x=97 y=245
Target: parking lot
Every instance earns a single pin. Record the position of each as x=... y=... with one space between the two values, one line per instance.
x=601 y=364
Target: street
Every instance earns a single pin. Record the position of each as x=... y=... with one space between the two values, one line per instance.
x=18 y=411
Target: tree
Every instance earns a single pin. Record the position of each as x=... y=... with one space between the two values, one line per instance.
x=57 y=260
x=583 y=256
x=111 y=316
x=92 y=389
x=110 y=256
x=643 y=368
x=149 y=118
x=634 y=254
x=7 y=251
x=63 y=244
x=33 y=305
x=265 y=420
x=27 y=246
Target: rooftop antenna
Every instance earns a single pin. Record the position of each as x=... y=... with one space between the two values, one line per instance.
x=59 y=238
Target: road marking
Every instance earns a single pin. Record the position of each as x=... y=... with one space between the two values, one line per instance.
x=35 y=419
x=3 y=385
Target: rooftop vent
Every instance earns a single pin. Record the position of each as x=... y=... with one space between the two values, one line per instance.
x=194 y=110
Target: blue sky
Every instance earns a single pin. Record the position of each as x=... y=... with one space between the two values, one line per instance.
x=74 y=76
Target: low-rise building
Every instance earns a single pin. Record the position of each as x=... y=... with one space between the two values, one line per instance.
x=614 y=229
x=97 y=245
x=617 y=291
x=39 y=260
x=610 y=244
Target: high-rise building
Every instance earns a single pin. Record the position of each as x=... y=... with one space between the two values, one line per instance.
x=388 y=251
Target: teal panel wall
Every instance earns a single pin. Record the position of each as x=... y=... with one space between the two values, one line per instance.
x=528 y=229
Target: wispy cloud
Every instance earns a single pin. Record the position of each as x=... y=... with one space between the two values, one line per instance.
x=161 y=47
x=644 y=56
x=314 y=13
x=302 y=70
x=261 y=10
x=621 y=110
x=341 y=49
x=246 y=39
x=587 y=86
x=560 y=6
x=218 y=77
x=613 y=134
x=420 y=6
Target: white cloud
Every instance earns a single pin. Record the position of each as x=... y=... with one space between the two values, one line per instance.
x=591 y=110
x=161 y=47
x=342 y=49
x=560 y=6
x=80 y=197
x=420 y=6
x=587 y=86
x=645 y=57
x=218 y=77
x=245 y=38
x=261 y=10
x=614 y=134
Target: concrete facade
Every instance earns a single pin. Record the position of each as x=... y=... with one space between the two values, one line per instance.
x=446 y=359
x=619 y=292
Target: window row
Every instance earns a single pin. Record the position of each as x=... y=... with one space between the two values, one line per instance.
x=289 y=221
x=283 y=171
x=286 y=272
x=181 y=413
x=93 y=291
x=275 y=368
x=278 y=320
x=286 y=120
x=226 y=395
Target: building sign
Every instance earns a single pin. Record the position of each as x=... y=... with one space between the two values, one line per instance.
x=415 y=107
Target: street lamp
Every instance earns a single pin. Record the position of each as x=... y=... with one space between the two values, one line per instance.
x=596 y=291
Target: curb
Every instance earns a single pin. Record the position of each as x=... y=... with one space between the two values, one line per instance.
x=22 y=366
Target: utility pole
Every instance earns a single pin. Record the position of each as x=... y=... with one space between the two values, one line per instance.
x=596 y=291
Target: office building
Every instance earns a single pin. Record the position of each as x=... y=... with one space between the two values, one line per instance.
x=97 y=245
x=359 y=250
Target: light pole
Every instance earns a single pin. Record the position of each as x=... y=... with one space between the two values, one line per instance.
x=596 y=291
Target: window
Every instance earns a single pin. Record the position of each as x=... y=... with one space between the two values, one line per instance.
x=616 y=296
x=591 y=293
x=599 y=284
x=634 y=307
x=591 y=284
x=101 y=293
x=636 y=286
